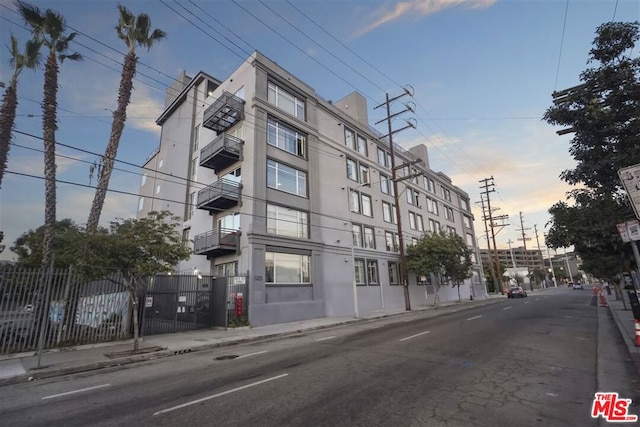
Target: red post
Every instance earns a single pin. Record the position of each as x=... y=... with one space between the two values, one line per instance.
x=637 y=324
x=239 y=305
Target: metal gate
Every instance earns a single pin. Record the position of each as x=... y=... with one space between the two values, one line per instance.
x=230 y=301
x=177 y=303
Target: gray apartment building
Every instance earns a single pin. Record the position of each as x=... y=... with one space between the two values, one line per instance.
x=518 y=257
x=294 y=192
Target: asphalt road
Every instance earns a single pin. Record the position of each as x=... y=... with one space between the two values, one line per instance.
x=519 y=362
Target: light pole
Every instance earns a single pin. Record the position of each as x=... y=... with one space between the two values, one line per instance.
x=566 y=260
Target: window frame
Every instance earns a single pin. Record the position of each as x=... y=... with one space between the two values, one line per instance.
x=304 y=265
x=275 y=221
x=299 y=175
x=282 y=128
x=297 y=102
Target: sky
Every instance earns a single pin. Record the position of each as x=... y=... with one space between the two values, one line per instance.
x=483 y=72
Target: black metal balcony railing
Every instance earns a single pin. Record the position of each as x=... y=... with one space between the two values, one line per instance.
x=216 y=242
x=225 y=112
x=224 y=151
x=222 y=194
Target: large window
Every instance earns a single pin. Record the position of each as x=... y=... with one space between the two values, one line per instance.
x=186 y=238
x=227 y=269
x=286 y=138
x=413 y=197
x=350 y=139
x=386 y=185
x=362 y=145
x=285 y=178
x=363 y=236
x=360 y=203
x=286 y=268
x=389 y=213
x=358 y=172
x=416 y=222
x=448 y=213
x=394 y=273
x=366 y=272
x=359 y=272
x=467 y=221
x=384 y=158
x=369 y=238
x=392 y=241
x=229 y=222
x=192 y=205
x=372 y=272
x=285 y=100
x=432 y=206
x=287 y=222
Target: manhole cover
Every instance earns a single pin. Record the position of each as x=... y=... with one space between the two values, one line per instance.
x=227 y=357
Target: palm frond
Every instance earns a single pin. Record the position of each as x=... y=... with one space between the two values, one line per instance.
x=73 y=57
x=31 y=15
x=32 y=58
x=13 y=51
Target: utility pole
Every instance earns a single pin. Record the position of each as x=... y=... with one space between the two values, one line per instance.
x=524 y=242
x=535 y=228
x=513 y=261
x=395 y=179
x=489 y=188
x=486 y=233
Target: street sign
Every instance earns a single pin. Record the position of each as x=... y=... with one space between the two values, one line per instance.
x=622 y=229
x=630 y=178
x=633 y=228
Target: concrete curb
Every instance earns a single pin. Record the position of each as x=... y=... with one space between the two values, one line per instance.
x=634 y=353
x=41 y=374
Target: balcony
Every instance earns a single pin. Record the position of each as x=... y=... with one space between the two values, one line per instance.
x=224 y=151
x=225 y=112
x=221 y=195
x=216 y=243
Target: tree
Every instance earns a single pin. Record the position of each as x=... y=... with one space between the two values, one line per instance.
x=29 y=58
x=495 y=287
x=603 y=114
x=135 y=32
x=29 y=246
x=444 y=255
x=136 y=249
x=49 y=27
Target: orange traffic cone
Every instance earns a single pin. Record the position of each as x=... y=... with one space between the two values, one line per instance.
x=603 y=301
x=637 y=324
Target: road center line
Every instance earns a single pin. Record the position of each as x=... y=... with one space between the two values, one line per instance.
x=75 y=391
x=326 y=338
x=233 y=390
x=507 y=308
x=527 y=302
x=416 y=335
x=252 y=354
x=475 y=317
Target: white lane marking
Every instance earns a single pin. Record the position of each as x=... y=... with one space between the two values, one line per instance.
x=193 y=402
x=551 y=394
x=507 y=308
x=413 y=336
x=75 y=391
x=252 y=354
x=326 y=338
x=527 y=302
x=475 y=317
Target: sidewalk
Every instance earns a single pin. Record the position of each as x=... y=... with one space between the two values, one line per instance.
x=626 y=326
x=23 y=367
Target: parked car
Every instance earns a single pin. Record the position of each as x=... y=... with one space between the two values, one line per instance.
x=578 y=286
x=516 y=292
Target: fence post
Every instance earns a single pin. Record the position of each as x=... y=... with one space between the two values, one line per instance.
x=45 y=313
x=67 y=304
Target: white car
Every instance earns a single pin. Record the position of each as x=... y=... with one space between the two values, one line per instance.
x=578 y=286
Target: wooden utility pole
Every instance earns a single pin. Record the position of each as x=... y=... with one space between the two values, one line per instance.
x=486 y=233
x=489 y=188
x=524 y=242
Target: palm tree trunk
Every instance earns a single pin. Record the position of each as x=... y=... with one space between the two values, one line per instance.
x=7 y=119
x=49 y=125
x=117 y=126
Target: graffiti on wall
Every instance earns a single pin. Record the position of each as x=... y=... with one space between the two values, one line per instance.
x=96 y=309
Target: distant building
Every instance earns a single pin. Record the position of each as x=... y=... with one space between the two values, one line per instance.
x=518 y=257
x=295 y=192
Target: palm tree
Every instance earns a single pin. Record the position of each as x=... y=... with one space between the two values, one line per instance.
x=50 y=28
x=19 y=61
x=134 y=31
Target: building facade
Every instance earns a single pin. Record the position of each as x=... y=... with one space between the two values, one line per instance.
x=294 y=192
x=517 y=258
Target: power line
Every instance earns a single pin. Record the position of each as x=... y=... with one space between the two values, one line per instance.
x=564 y=26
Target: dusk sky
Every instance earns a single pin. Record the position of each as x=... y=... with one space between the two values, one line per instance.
x=483 y=73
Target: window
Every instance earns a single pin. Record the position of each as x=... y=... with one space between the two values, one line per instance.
x=360 y=203
x=350 y=139
x=429 y=184
x=386 y=185
x=391 y=241
x=285 y=100
x=362 y=145
x=389 y=213
x=419 y=222
x=384 y=158
x=446 y=194
x=413 y=197
x=286 y=138
x=372 y=272
x=194 y=169
x=288 y=222
x=394 y=276
x=230 y=222
x=211 y=86
x=356 y=231
x=140 y=204
x=359 y=272
x=286 y=268
x=448 y=213
x=352 y=170
x=358 y=172
x=465 y=205
x=192 y=205
x=286 y=178
x=227 y=269
x=432 y=226
x=470 y=241
x=144 y=180
x=369 y=238
x=186 y=239
x=432 y=206
x=415 y=222
x=364 y=174
x=412 y=220
x=235 y=176
x=240 y=93
x=196 y=139
x=450 y=230
x=409 y=193
x=467 y=221
x=414 y=241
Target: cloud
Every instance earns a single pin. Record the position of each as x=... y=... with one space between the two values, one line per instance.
x=34 y=164
x=419 y=8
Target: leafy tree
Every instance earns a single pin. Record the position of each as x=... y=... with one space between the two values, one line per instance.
x=444 y=255
x=135 y=31
x=495 y=287
x=603 y=114
x=29 y=246
x=49 y=27
x=136 y=249
x=29 y=58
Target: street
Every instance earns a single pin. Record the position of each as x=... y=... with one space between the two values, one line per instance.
x=518 y=362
